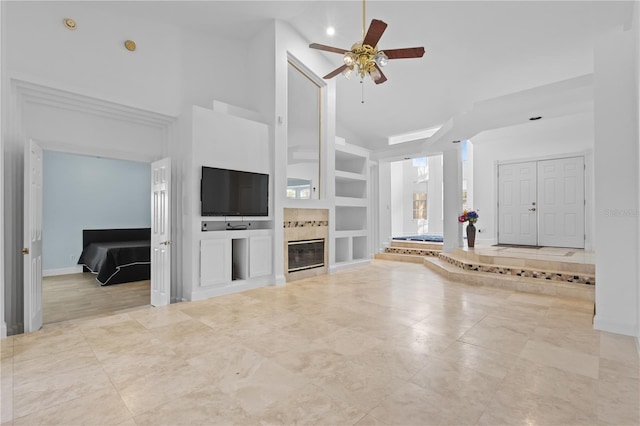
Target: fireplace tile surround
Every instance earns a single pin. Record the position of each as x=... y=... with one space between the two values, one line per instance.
x=306 y=224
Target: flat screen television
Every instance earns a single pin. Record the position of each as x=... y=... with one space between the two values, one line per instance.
x=226 y=192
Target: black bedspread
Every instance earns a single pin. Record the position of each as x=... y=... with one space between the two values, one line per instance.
x=107 y=259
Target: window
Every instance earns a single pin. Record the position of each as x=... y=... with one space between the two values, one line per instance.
x=419 y=205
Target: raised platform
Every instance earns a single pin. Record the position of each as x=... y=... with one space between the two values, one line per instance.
x=553 y=271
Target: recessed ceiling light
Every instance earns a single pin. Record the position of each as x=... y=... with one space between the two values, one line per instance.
x=70 y=23
x=130 y=45
x=455 y=141
x=535 y=118
x=407 y=158
x=331 y=31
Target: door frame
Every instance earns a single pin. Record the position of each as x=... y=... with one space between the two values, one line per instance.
x=25 y=93
x=589 y=213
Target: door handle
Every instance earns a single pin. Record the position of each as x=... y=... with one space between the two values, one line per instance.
x=165 y=243
x=25 y=251
x=532 y=210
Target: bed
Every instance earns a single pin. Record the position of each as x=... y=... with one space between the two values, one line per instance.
x=117 y=255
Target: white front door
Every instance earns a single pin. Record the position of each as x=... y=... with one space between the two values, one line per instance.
x=32 y=237
x=561 y=202
x=517 y=204
x=161 y=232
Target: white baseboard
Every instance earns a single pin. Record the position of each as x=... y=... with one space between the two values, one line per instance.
x=614 y=327
x=62 y=271
x=3 y=330
x=280 y=280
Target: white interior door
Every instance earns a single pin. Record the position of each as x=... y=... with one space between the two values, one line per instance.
x=161 y=232
x=517 y=204
x=561 y=202
x=32 y=237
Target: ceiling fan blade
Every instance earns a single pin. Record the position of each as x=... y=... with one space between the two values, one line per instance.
x=335 y=72
x=382 y=78
x=409 y=52
x=327 y=48
x=376 y=29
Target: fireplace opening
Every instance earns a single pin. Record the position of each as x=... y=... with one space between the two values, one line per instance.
x=305 y=254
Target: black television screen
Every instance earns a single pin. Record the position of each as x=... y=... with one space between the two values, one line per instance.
x=234 y=193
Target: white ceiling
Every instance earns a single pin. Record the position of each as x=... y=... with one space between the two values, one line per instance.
x=475 y=50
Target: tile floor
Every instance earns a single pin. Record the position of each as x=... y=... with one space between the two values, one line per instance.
x=388 y=344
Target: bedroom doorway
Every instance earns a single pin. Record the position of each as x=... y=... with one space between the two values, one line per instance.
x=69 y=293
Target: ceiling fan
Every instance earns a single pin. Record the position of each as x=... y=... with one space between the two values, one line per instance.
x=364 y=56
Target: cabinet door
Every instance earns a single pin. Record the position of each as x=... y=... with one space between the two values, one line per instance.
x=215 y=262
x=260 y=256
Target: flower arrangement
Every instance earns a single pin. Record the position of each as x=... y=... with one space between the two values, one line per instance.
x=468 y=216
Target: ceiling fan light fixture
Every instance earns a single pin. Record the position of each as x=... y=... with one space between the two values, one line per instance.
x=347 y=72
x=375 y=74
x=382 y=59
x=349 y=59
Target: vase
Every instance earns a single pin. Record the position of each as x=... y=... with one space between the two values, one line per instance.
x=471 y=235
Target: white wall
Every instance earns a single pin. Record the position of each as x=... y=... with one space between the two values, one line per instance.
x=546 y=137
x=434 y=197
x=616 y=183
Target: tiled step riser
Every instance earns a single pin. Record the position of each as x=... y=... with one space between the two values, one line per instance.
x=416 y=245
x=570 y=267
x=542 y=273
x=400 y=257
x=515 y=283
x=412 y=251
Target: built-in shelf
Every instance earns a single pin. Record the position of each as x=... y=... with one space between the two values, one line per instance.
x=351 y=228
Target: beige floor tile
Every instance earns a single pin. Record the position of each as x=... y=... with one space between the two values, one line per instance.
x=421 y=341
x=46 y=342
x=313 y=360
x=350 y=342
x=6 y=390
x=515 y=405
x=205 y=406
x=159 y=317
x=575 y=389
x=618 y=401
x=561 y=358
x=103 y=407
x=617 y=347
x=310 y=405
x=34 y=394
x=451 y=380
x=580 y=340
x=499 y=334
x=495 y=364
x=144 y=393
x=369 y=420
x=111 y=339
x=414 y=405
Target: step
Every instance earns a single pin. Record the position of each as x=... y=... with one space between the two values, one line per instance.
x=416 y=244
x=546 y=272
x=511 y=282
x=411 y=258
x=413 y=251
x=522 y=262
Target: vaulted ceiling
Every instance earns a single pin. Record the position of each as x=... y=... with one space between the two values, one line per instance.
x=475 y=50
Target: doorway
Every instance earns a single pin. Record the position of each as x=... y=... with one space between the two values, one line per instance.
x=82 y=193
x=542 y=203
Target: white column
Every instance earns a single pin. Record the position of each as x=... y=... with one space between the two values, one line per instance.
x=3 y=324
x=452 y=182
x=616 y=184
x=384 y=205
x=434 y=195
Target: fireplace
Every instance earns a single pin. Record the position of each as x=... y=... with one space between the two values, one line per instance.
x=305 y=254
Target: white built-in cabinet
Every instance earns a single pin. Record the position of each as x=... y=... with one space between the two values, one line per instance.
x=232 y=258
x=351 y=224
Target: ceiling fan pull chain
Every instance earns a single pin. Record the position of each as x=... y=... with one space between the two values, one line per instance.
x=362 y=86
